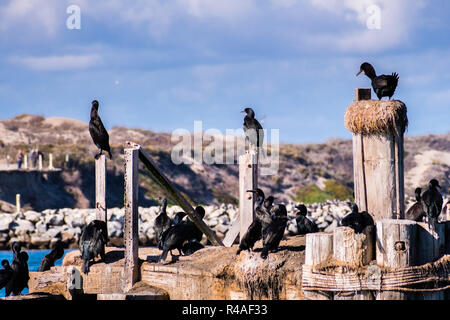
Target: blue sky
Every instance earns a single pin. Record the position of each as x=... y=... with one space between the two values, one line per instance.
x=162 y=64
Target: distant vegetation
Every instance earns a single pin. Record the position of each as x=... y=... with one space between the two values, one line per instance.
x=333 y=190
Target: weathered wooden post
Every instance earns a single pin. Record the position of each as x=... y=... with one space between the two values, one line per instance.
x=100 y=188
x=131 y=228
x=40 y=162
x=18 y=206
x=396 y=247
x=248 y=180
x=50 y=161
x=378 y=128
x=354 y=249
x=25 y=161
x=319 y=249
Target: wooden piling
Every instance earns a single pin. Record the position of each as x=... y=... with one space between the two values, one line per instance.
x=355 y=249
x=396 y=247
x=319 y=248
x=248 y=180
x=100 y=188
x=131 y=228
x=50 y=161
x=40 y=162
x=18 y=206
x=25 y=161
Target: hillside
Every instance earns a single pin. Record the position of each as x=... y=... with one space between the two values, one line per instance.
x=307 y=172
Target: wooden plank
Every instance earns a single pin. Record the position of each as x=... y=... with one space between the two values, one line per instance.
x=131 y=228
x=171 y=192
x=247 y=181
x=232 y=233
x=353 y=248
x=100 y=188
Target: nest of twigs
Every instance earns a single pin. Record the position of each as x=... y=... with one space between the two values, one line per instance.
x=372 y=117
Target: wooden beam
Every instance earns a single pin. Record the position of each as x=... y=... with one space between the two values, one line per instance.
x=232 y=232
x=131 y=228
x=100 y=188
x=171 y=192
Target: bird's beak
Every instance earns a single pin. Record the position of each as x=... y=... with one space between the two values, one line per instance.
x=243 y=111
x=253 y=191
x=360 y=71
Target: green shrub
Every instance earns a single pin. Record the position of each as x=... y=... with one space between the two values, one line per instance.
x=311 y=194
x=338 y=190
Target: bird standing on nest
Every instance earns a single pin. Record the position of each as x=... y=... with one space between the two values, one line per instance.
x=416 y=212
x=384 y=85
x=98 y=132
x=432 y=203
x=253 y=129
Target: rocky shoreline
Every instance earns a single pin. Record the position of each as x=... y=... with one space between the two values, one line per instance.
x=39 y=230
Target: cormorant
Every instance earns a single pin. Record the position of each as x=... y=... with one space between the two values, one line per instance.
x=384 y=85
x=98 y=132
x=191 y=246
x=162 y=221
x=178 y=217
x=356 y=220
x=5 y=274
x=274 y=232
x=20 y=276
x=252 y=128
x=92 y=243
x=176 y=235
x=416 y=212
x=304 y=225
x=432 y=202
x=49 y=260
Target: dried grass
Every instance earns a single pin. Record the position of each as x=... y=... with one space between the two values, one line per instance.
x=371 y=117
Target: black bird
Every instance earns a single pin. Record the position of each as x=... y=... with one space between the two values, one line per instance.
x=432 y=202
x=5 y=274
x=384 y=85
x=175 y=236
x=416 y=212
x=20 y=276
x=274 y=232
x=177 y=219
x=252 y=128
x=49 y=260
x=191 y=246
x=254 y=231
x=92 y=243
x=356 y=220
x=304 y=225
x=98 y=132
x=162 y=221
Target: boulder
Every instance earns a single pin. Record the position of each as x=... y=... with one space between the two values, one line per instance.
x=5 y=221
x=32 y=216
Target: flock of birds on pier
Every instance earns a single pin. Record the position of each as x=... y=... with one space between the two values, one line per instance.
x=182 y=234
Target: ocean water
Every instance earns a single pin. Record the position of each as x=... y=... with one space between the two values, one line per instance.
x=34 y=261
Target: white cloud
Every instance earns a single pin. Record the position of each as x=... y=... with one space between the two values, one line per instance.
x=58 y=63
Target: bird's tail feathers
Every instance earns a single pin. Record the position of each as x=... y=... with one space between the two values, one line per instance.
x=163 y=256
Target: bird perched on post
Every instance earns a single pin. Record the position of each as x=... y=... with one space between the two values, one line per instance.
x=432 y=202
x=384 y=85
x=304 y=225
x=49 y=260
x=356 y=220
x=92 y=243
x=416 y=212
x=274 y=232
x=20 y=276
x=162 y=221
x=252 y=128
x=98 y=132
